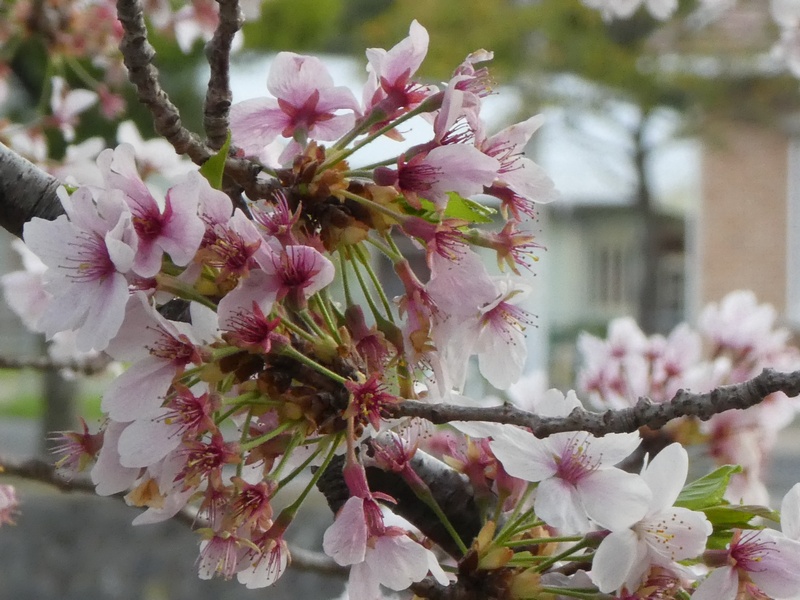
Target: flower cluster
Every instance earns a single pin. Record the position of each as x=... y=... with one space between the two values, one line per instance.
x=263 y=349
x=733 y=342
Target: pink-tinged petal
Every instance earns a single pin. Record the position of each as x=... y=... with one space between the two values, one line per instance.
x=268 y=568
x=665 y=476
x=363 y=583
x=502 y=352
x=215 y=206
x=146 y=441
x=461 y=169
x=613 y=498
x=790 y=513
x=523 y=455
x=332 y=128
x=398 y=561
x=557 y=504
x=721 y=584
x=204 y=328
x=183 y=229
x=614 y=559
x=294 y=77
x=255 y=123
x=139 y=392
x=106 y=315
x=438 y=573
x=108 y=475
x=259 y=287
x=778 y=575
x=404 y=58
x=346 y=540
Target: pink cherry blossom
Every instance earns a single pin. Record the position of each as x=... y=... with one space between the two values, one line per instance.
x=88 y=251
x=577 y=480
x=177 y=231
x=519 y=181
x=454 y=168
x=161 y=349
x=390 y=71
x=67 y=105
x=8 y=504
x=306 y=105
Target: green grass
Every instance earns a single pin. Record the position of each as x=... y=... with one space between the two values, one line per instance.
x=21 y=396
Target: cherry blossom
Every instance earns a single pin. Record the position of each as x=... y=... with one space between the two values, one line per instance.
x=305 y=105
x=88 y=251
x=664 y=535
x=576 y=476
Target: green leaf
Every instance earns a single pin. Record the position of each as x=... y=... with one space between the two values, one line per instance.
x=214 y=167
x=738 y=516
x=468 y=210
x=707 y=491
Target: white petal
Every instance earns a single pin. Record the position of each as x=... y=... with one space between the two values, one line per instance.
x=614 y=559
x=665 y=476
x=523 y=455
x=613 y=498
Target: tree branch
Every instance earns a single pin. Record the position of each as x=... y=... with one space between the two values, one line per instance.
x=91 y=366
x=26 y=191
x=138 y=56
x=644 y=413
x=218 y=52
x=138 y=53
x=44 y=472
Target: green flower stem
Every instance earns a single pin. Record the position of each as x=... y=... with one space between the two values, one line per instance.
x=182 y=290
x=289 y=351
x=423 y=492
x=250 y=444
x=87 y=78
x=543 y=540
x=246 y=398
x=364 y=257
x=292 y=509
x=298 y=330
x=242 y=438
x=294 y=442
x=295 y=472
x=584 y=543
x=311 y=323
x=393 y=256
x=511 y=523
x=428 y=105
x=375 y=206
x=348 y=295
x=321 y=305
x=367 y=294
x=583 y=593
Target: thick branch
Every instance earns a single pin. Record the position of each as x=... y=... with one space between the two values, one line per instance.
x=218 y=95
x=644 y=413
x=452 y=492
x=26 y=191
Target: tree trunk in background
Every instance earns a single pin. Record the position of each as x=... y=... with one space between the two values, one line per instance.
x=649 y=231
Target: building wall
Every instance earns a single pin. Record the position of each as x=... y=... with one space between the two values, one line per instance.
x=742 y=230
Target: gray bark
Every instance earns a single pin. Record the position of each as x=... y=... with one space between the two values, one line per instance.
x=26 y=191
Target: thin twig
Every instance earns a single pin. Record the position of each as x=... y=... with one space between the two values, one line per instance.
x=644 y=413
x=138 y=56
x=44 y=472
x=138 y=53
x=92 y=366
x=218 y=53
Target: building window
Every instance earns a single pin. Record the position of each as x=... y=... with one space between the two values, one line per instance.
x=610 y=283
